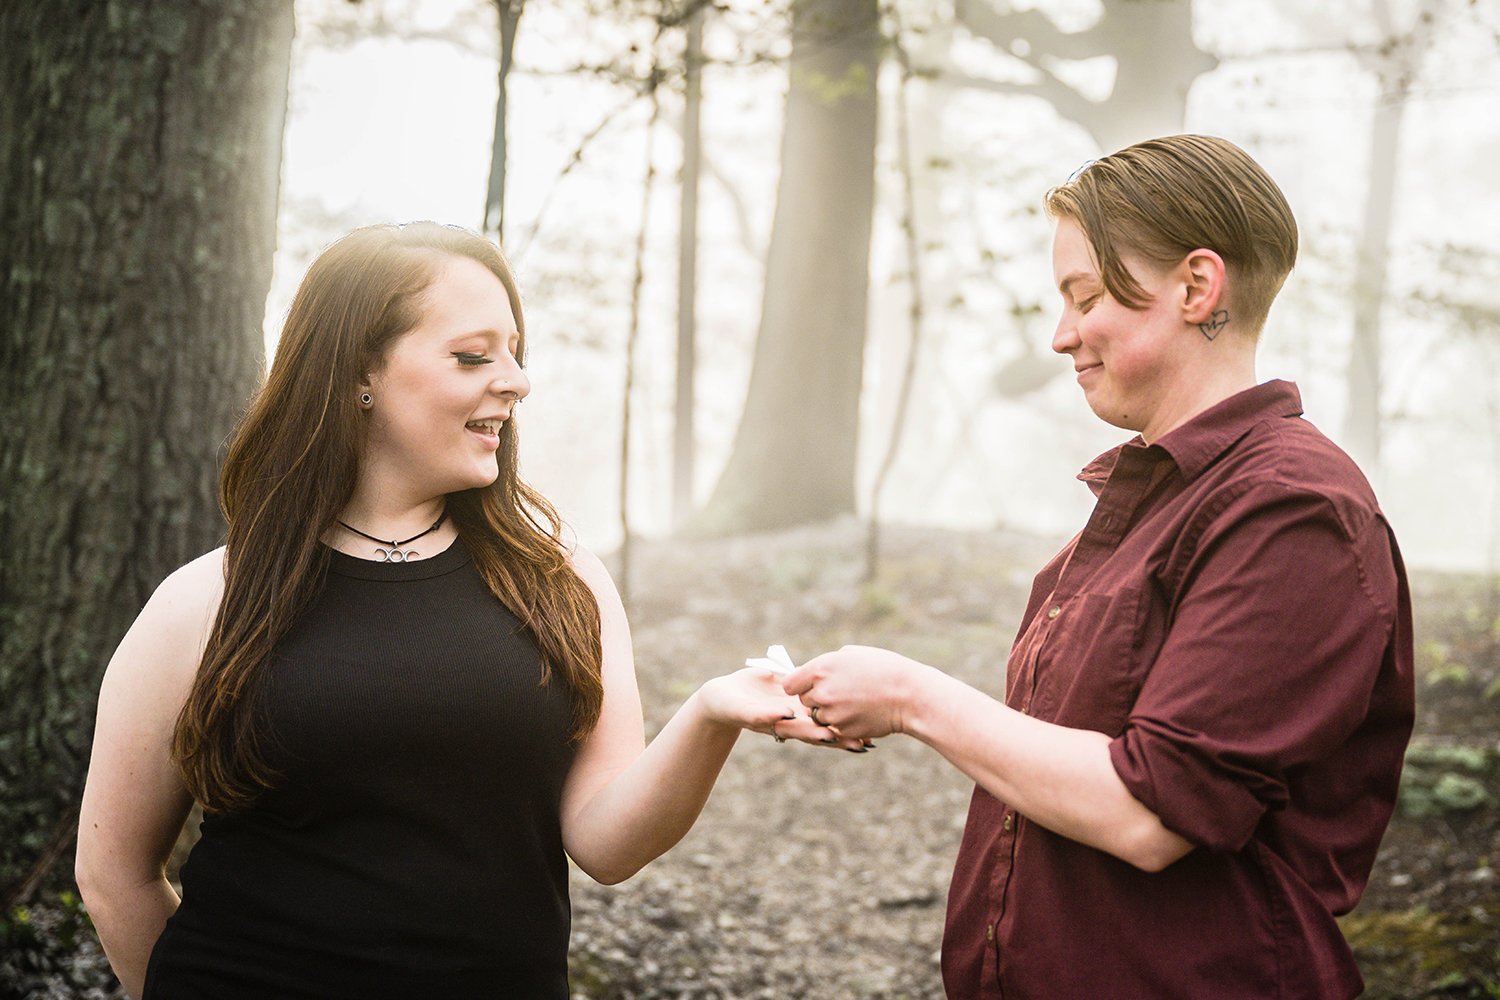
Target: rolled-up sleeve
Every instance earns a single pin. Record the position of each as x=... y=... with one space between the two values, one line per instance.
x=1283 y=611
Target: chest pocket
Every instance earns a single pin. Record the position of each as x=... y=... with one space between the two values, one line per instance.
x=1089 y=660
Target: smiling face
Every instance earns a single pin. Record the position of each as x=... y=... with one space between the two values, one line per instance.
x=445 y=388
x=1134 y=365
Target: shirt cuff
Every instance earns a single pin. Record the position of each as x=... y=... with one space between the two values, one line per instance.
x=1194 y=795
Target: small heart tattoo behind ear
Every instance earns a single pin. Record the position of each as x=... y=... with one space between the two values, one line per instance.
x=1215 y=323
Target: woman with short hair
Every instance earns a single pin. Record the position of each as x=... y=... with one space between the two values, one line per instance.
x=1207 y=703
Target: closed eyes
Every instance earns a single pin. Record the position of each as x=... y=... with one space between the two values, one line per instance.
x=467 y=359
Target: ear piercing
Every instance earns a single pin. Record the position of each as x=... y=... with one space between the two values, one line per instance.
x=365 y=399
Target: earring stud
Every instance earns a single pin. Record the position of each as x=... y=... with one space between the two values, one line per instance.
x=365 y=399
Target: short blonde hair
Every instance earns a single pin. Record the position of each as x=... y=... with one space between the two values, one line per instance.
x=1163 y=198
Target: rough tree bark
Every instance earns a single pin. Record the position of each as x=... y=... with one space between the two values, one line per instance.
x=140 y=148
x=793 y=459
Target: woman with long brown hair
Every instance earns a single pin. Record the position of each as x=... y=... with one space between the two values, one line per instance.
x=400 y=695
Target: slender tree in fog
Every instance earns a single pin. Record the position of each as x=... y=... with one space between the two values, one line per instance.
x=509 y=18
x=632 y=336
x=916 y=309
x=1394 y=63
x=140 y=149
x=1394 y=58
x=684 y=436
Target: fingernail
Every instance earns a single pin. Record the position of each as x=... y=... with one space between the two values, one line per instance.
x=829 y=740
x=858 y=749
x=790 y=716
x=869 y=745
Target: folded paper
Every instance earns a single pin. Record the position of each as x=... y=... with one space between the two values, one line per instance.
x=776 y=660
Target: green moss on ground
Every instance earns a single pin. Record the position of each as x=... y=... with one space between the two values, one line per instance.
x=1419 y=953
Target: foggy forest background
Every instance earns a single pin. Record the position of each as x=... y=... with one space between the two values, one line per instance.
x=787 y=280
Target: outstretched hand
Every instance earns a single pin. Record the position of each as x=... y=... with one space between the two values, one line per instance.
x=858 y=691
x=753 y=699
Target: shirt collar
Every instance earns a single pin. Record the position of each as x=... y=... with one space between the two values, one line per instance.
x=1195 y=445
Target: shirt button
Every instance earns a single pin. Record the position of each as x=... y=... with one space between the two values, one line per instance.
x=1054 y=611
x=1007 y=824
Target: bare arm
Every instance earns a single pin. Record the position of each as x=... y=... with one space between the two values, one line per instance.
x=626 y=804
x=134 y=803
x=1060 y=778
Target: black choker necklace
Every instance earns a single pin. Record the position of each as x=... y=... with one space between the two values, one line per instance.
x=391 y=551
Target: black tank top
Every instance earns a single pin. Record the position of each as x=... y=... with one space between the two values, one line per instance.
x=412 y=846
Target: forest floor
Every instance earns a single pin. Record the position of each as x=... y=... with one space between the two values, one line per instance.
x=818 y=873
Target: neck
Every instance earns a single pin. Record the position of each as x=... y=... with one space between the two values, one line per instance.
x=1205 y=388
x=392 y=531
x=385 y=516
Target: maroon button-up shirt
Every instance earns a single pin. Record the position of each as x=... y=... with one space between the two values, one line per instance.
x=1235 y=615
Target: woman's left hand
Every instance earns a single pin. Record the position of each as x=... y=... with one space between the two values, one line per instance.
x=753 y=699
x=860 y=690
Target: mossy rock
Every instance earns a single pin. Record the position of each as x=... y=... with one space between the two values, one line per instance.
x=1446 y=778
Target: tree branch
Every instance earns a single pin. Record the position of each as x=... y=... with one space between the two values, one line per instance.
x=743 y=227
x=1068 y=102
x=20 y=892
x=609 y=118
x=1033 y=27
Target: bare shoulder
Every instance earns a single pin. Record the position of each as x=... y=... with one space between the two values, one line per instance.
x=583 y=560
x=189 y=597
x=206 y=572
x=168 y=637
x=591 y=569
x=596 y=574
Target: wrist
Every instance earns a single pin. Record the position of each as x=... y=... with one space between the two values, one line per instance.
x=921 y=701
x=702 y=709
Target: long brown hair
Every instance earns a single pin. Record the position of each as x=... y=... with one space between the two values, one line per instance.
x=290 y=471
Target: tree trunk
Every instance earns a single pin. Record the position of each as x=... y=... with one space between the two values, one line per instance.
x=684 y=439
x=915 y=313
x=632 y=338
x=509 y=12
x=1394 y=64
x=140 y=149
x=1362 y=418
x=793 y=460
